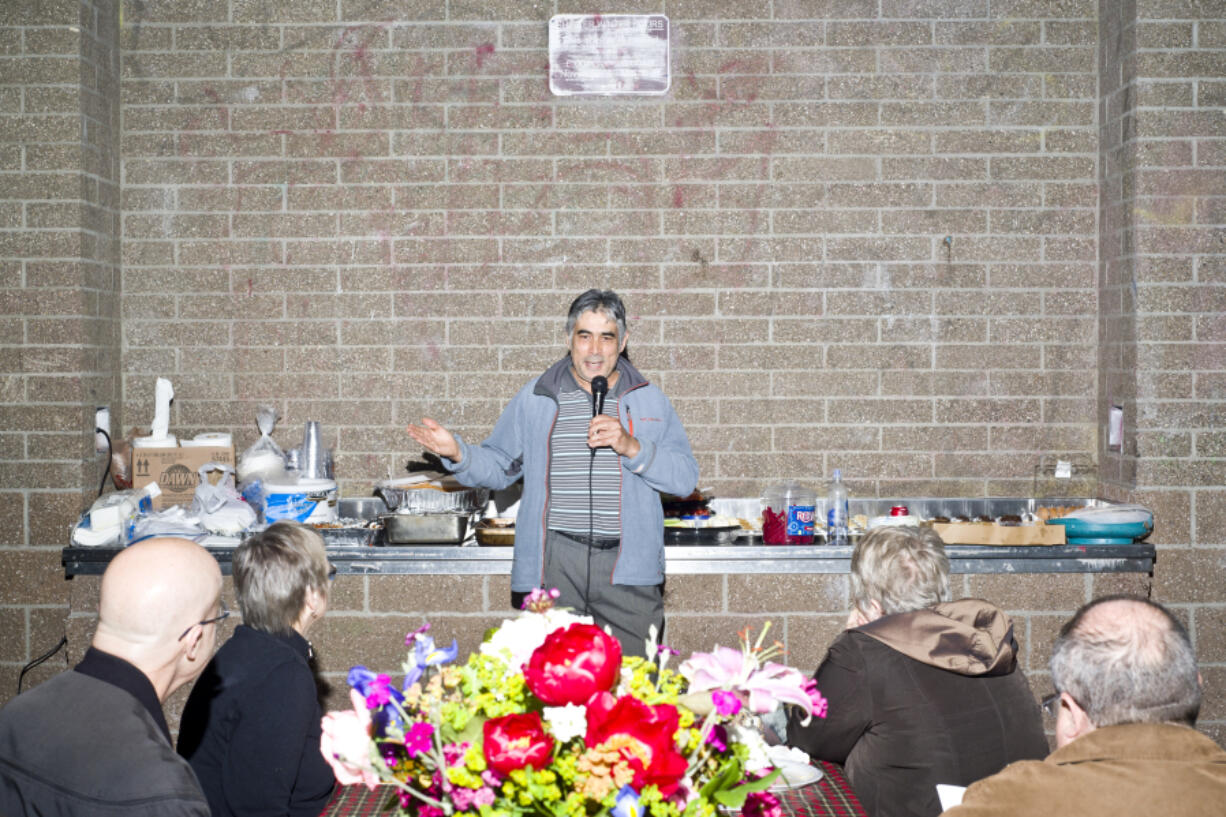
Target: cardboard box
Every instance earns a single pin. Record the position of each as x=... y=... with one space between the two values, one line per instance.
x=990 y=533
x=175 y=470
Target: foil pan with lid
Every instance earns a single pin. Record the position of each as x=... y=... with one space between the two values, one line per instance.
x=431 y=493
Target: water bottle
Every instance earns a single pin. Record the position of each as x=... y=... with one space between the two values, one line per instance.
x=836 y=511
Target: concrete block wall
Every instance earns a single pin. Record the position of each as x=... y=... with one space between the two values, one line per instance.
x=59 y=299
x=363 y=211
x=364 y=214
x=1163 y=298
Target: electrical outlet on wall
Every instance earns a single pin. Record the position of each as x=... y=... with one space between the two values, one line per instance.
x=1115 y=428
x=102 y=421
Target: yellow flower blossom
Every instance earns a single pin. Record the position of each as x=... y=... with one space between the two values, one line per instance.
x=474 y=758
x=459 y=776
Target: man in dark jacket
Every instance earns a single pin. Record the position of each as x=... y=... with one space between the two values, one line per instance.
x=93 y=741
x=922 y=690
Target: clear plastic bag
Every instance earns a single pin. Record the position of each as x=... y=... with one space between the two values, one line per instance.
x=219 y=506
x=264 y=460
x=172 y=521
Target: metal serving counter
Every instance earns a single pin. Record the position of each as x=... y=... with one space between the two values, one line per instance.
x=735 y=558
x=693 y=560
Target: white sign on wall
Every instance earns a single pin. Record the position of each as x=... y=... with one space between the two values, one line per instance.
x=608 y=54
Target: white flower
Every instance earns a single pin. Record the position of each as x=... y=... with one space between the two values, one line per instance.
x=518 y=638
x=759 y=758
x=566 y=722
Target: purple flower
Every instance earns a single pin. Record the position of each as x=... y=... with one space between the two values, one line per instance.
x=461 y=798
x=360 y=678
x=377 y=691
x=761 y=804
x=425 y=654
x=417 y=738
x=453 y=753
x=411 y=637
x=465 y=799
x=726 y=703
x=541 y=600
x=820 y=705
x=718 y=738
x=627 y=804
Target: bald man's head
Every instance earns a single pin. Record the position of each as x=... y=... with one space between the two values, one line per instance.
x=151 y=592
x=1126 y=659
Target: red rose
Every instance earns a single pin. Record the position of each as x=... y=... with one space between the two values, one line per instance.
x=643 y=734
x=573 y=664
x=515 y=741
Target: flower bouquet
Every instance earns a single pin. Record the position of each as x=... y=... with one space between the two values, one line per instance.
x=547 y=718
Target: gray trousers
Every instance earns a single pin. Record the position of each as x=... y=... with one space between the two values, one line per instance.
x=583 y=576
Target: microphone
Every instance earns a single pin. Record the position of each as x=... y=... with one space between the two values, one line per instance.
x=600 y=387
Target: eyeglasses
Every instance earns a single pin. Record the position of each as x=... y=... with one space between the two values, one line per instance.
x=222 y=616
x=1051 y=704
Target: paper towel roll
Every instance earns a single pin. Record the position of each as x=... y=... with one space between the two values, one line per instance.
x=163 y=393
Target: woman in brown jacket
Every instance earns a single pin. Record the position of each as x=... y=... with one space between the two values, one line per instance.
x=922 y=690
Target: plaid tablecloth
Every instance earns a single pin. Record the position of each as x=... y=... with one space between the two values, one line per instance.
x=829 y=797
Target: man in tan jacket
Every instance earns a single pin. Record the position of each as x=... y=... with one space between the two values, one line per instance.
x=1128 y=694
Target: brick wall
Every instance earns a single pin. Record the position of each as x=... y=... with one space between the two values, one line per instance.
x=363 y=211
x=1163 y=67
x=59 y=299
x=369 y=218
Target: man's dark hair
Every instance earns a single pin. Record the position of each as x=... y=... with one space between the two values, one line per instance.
x=605 y=302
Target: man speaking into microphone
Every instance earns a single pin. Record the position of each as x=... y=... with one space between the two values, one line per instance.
x=595 y=444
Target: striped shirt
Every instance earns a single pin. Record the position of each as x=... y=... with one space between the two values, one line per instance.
x=569 y=461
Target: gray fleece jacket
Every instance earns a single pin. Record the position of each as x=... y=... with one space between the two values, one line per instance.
x=518 y=448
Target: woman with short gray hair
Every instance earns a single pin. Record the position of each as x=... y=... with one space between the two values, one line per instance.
x=896 y=570
x=922 y=690
x=251 y=727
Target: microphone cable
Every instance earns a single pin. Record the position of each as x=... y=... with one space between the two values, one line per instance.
x=591 y=536
x=600 y=386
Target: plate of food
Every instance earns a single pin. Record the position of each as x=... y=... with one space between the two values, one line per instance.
x=795 y=776
x=795 y=771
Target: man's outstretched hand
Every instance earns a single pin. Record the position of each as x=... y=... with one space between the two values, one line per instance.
x=435 y=439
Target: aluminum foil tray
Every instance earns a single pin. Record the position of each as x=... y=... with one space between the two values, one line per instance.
x=433 y=501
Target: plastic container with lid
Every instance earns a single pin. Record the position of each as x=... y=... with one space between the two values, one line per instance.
x=789 y=511
x=307 y=500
